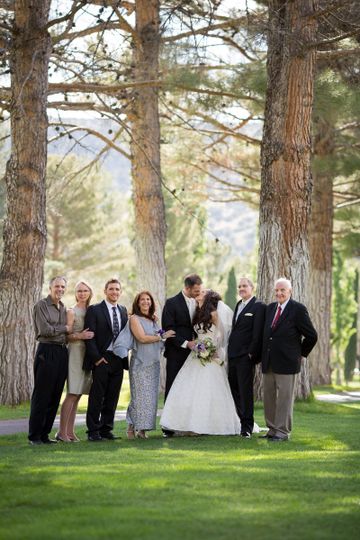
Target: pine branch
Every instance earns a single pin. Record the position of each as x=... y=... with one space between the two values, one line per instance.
x=348 y=203
x=214 y=121
x=350 y=125
x=77 y=106
x=91 y=163
x=110 y=89
x=231 y=186
x=74 y=128
x=335 y=55
x=330 y=8
x=230 y=23
x=70 y=36
x=69 y=17
x=236 y=171
x=215 y=93
x=335 y=39
x=113 y=89
x=129 y=6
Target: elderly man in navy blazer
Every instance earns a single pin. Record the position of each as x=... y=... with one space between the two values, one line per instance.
x=289 y=336
x=244 y=351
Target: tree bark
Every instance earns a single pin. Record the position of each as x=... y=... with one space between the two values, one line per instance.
x=286 y=181
x=21 y=273
x=150 y=225
x=320 y=247
x=55 y=220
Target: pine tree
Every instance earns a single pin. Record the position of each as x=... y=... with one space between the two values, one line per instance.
x=231 y=291
x=343 y=310
x=350 y=351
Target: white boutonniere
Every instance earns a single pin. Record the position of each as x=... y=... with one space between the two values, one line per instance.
x=248 y=314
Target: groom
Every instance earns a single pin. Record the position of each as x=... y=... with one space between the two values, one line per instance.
x=106 y=320
x=244 y=351
x=177 y=315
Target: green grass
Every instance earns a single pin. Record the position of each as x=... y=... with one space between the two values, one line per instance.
x=23 y=410
x=189 y=488
x=353 y=386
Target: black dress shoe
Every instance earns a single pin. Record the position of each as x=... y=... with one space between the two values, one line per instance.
x=95 y=437
x=167 y=434
x=50 y=441
x=266 y=436
x=245 y=435
x=275 y=438
x=36 y=442
x=109 y=436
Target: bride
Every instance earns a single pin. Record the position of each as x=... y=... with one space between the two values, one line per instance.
x=200 y=399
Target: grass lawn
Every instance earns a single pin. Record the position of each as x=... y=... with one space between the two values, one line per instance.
x=23 y=410
x=189 y=488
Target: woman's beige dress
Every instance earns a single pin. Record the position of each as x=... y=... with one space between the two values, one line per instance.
x=79 y=381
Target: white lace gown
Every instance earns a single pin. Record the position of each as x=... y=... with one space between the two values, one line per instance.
x=200 y=398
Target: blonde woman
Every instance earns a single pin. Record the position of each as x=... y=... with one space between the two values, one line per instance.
x=79 y=381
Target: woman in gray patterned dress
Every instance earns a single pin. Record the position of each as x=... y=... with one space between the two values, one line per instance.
x=78 y=381
x=144 y=371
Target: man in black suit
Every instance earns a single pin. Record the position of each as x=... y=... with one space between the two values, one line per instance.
x=106 y=320
x=289 y=336
x=177 y=315
x=244 y=351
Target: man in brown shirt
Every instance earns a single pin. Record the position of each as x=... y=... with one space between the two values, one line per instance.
x=51 y=362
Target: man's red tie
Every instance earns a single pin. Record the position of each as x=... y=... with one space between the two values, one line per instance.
x=276 y=318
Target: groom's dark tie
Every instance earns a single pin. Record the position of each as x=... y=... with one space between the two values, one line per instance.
x=276 y=318
x=116 y=326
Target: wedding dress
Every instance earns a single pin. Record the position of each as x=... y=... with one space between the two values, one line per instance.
x=200 y=399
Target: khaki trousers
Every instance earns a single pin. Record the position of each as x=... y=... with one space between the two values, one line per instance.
x=278 y=403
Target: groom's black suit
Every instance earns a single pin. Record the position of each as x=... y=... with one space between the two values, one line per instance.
x=176 y=317
x=244 y=351
x=107 y=378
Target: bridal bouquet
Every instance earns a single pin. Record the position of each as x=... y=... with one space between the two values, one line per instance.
x=205 y=351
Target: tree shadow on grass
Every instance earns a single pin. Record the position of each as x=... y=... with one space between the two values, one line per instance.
x=207 y=488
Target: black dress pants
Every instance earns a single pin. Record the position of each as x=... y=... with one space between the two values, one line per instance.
x=50 y=372
x=104 y=394
x=241 y=380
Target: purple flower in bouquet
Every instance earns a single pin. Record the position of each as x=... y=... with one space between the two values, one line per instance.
x=205 y=350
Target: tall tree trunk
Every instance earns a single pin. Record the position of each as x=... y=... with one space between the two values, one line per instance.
x=56 y=228
x=285 y=153
x=150 y=226
x=21 y=273
x=320 y=247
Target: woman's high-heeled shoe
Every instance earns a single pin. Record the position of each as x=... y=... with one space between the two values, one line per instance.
x=61 y=439
x=130 y=432
x=141 y=434
x=73 y=438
